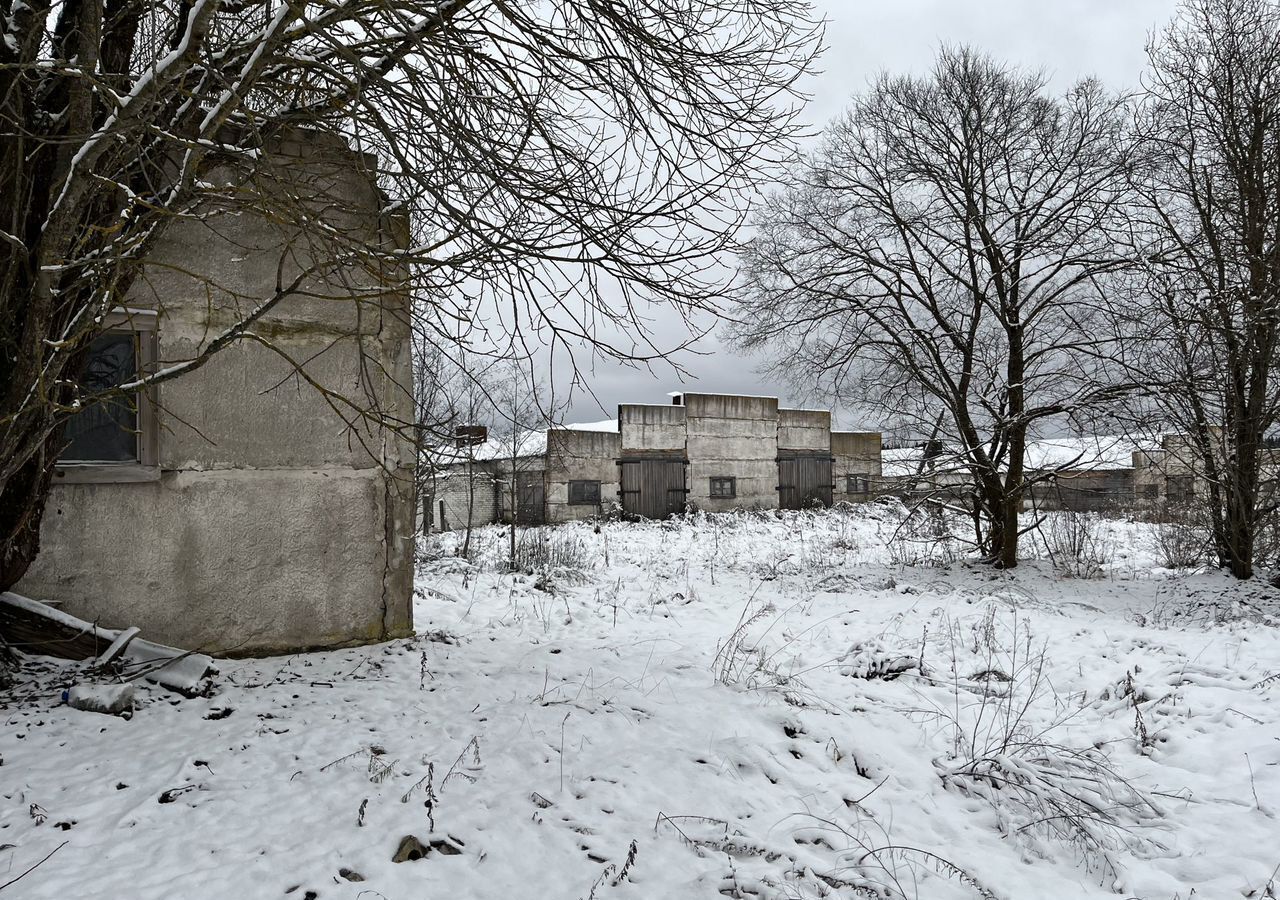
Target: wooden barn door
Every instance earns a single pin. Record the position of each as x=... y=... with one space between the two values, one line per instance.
x=531 y=508
x=804 y=479
x=653 y=487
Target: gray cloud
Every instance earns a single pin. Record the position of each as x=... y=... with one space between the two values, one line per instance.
x=1068 y=39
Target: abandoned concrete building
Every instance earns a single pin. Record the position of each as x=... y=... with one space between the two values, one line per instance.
x=1092 y=474
x=721 y=451
x=1152 y=473
x=705 y=451
x=1170 y=472
x=235 y=509
x=1084 y=473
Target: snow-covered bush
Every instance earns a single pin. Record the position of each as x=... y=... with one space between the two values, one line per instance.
x=1066 y=794
x=549 y=550
x=1077 y=543
x=1222 y=601
x=1003 y=752
x=924 y=535
x=873 y=660
x=430 y=548
x=1180 y=545
x=742 y=658
x=561 y=552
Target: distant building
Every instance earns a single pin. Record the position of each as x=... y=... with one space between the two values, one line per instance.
x=726 y=451
x=709 y=451
x=1171 y=474
x=1082 y=473
x=1088 y=473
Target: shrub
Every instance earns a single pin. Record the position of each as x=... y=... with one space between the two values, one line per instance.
x=1077 y=544
x=1039 y=787
x=1181 y=545
x=924 y=535
x=548 y=550
x=549 y=553
x=740 y=657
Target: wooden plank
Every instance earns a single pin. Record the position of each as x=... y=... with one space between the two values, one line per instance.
x=51 y=635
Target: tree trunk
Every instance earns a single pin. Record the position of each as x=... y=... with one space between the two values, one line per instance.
x=1002 y=533
x=1239 y=536
x=1005 y=553
x=22 y=503
x=471 y=508
x=512 y=564
x=989 y=511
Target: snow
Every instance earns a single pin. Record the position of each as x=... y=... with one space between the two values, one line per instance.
x=901 y=462
x=747 y=705
x=108 y=699
x=608 y=425
x=1097 y=452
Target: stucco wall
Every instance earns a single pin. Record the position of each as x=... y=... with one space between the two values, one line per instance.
x=732 y=436
x=1176 y=458
x=280 y=520
x=580 y=456
x=228 y=561
x=1148 y=477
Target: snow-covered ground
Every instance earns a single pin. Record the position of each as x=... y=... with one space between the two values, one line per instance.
x=751 y=705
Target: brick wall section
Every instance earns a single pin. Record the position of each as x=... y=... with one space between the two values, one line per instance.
x=453 y=501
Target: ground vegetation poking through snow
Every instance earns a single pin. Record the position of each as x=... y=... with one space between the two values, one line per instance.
x=752 y=705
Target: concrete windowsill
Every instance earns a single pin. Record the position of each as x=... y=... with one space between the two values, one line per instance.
x=104 y=473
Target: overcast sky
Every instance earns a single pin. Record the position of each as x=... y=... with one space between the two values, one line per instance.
x=1068 y=39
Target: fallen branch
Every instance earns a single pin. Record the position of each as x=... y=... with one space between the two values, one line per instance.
x=33 y=868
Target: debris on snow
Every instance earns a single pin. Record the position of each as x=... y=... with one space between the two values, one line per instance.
x=41 y=628
x=871 y=659
x=109 y=699
x=411 y=849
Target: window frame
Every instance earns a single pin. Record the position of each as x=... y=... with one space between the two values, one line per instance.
x=733 y=487
x=578 y=482
x=145 y=466
x=853 y=480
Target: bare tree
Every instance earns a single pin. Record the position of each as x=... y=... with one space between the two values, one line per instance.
x=940 y=260
x=471 y=405
x=522 y=413
x=439 y=393
x=1208 y=226
x=565 y=164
